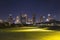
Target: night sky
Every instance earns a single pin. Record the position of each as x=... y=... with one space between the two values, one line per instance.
x=39 y=7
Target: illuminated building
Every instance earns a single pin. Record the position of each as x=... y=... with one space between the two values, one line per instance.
x=41 y=19
x=49 y=18
x=34 y=18
x=17 y=21
x=23 y=18
x=1 y=21
x=10 y=19
x=29 y=21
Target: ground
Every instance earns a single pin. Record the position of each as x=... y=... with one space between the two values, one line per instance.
x=28 y=33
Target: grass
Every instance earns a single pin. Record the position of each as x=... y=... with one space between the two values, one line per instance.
x=27 y=35
x=23 y=35
x=45 y=35
x=23 y=29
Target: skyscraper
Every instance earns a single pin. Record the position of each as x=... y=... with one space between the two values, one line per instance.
x=24 y=18
x=29 y=21
x=10 y=19
x=17 y=21
x=49 y=17
x=41 y=19
x=34 y=18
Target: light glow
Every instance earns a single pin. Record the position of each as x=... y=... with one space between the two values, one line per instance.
x=29 y=30
x=55 y=36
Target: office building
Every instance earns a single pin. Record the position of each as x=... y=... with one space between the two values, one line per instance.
x=24 y=18
x=17 y=20
x=10 y=19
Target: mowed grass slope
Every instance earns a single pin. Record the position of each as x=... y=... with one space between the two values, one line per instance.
x=7 y=34
x=24 y=35
x=24 y=29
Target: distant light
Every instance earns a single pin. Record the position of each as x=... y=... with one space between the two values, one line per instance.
x=43 y=16
x=49 y=14
x=1 y=21
x=10 y=14
x=47 y=19
x=17 y=21
x=24 y=15
x=28 y=23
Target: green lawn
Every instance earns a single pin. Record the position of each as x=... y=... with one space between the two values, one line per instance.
x=29 y=35
x=32 y=35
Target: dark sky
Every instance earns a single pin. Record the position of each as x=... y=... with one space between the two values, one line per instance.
x=39 y=7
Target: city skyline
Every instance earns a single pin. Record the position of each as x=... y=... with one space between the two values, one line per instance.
x=39 y=7
x=24 y=18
